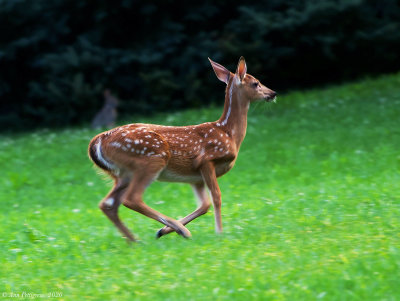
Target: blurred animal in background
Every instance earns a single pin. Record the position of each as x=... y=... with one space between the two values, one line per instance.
x=107 y=116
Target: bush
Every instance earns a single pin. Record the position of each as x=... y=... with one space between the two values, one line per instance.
x=58 y=56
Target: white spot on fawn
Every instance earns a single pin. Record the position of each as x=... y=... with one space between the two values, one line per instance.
x=116 y=144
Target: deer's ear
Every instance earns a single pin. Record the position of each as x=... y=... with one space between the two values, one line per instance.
x=241 y=68
x=221 y=72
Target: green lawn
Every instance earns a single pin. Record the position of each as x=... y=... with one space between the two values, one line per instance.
x=311 y=210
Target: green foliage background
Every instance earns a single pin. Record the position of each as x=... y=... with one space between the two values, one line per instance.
x=311 y=210
x=57 y=56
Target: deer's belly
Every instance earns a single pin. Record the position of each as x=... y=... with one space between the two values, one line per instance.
x=223 y=168
x=169 y=175
x=185 y=176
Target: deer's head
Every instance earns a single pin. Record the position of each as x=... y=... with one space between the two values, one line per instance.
x=245 y=84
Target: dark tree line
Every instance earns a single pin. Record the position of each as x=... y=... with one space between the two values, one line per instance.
x=57 y=57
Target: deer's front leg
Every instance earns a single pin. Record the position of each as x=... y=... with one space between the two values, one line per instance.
x=204 y=203
x=210 y=178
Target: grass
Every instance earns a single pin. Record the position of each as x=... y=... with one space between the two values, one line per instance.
x=311 y=210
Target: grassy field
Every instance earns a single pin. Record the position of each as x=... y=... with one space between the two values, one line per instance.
x=311 y=210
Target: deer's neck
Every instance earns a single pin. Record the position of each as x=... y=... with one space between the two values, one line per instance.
x=234 y=116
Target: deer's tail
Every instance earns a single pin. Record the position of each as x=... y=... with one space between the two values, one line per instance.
x=96 y=155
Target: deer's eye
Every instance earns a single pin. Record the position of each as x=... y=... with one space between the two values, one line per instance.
x=255 y=85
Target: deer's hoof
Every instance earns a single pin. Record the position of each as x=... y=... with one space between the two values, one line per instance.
x=159 y=233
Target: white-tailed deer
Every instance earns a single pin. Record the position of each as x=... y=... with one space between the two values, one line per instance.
x=135 y=155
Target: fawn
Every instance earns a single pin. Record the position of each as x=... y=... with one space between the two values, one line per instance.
x=135 y=155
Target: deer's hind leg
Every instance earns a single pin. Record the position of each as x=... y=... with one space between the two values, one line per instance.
x=110 y=204
x=133 y=198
